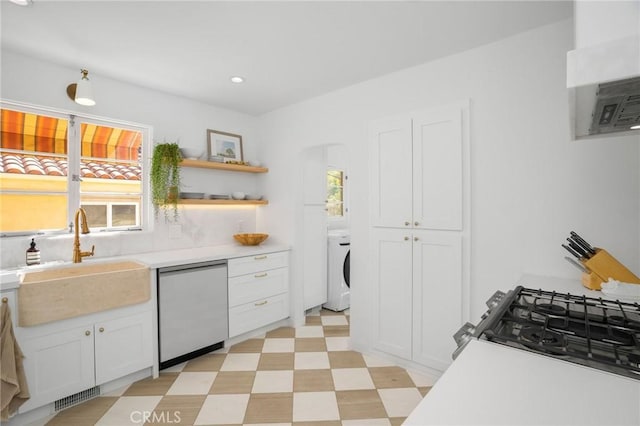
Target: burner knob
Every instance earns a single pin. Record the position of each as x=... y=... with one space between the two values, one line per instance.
x=464 y=334
x=495 y=299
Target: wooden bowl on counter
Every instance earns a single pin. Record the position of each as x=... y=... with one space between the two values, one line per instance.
x=250 y=239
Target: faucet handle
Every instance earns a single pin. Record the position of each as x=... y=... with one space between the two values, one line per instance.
x=88 y=253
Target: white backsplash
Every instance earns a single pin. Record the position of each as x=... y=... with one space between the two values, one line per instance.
x=198 y=226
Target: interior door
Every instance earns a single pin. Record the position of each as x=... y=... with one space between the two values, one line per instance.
x=315 y=227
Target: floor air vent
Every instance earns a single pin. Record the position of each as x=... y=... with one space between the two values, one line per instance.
x=77 y=398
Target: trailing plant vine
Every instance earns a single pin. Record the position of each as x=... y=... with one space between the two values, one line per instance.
x=165 y=178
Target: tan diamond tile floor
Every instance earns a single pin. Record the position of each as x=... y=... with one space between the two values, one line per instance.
x=303 y=376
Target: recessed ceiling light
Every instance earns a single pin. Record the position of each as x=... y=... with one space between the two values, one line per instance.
x=635 y=127
x=21 y=2
x=237 y=79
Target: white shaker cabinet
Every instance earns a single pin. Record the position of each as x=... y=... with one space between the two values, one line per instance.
x=392 y=287
x=417 y=170
x=419 y=196
x=418 y=294
x=58 y=365
x=64 y=358
x=258 y=291
x=437 y=296
x=122 y=346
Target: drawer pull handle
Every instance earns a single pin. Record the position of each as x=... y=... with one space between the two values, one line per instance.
x=260 y=275
x=260 y=257
x=260 y=303
x=5 y=300
x=101 y=330
x=87 y=333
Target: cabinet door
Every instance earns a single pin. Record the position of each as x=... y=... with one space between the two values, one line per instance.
x=437 y=169
x=58 y=365
x=437 y=296
x=123 y=346
x=391 y=259
x=314 y=263
x=391 y=177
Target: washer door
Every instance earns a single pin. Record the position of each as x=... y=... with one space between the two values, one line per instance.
x=346 y=268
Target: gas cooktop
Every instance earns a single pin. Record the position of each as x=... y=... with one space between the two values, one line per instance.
x=594 y=332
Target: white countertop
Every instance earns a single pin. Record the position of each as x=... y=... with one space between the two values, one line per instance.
x=561 y=285
x=9 y=278
x=491 y=384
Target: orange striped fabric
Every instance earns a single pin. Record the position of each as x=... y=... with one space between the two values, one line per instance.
x=36 y=133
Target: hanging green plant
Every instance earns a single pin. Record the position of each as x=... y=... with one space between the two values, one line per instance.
x=165 y=178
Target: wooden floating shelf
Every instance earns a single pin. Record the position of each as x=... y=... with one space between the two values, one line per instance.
x=222 y=166
x=194 y=201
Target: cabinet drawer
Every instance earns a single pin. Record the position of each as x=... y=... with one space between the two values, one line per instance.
x=257 y=314
x=257 y=263
x=259 y=285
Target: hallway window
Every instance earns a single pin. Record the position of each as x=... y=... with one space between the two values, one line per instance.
x=335 y=193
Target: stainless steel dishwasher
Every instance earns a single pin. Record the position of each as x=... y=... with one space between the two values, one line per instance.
x=192 y=311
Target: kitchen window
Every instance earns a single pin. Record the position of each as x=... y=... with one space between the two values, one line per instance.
x=53 y=163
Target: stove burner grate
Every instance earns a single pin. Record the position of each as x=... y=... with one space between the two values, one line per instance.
x=542 y=337
x=596 y=332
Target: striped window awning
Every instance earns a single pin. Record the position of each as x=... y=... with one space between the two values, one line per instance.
x=35 y=133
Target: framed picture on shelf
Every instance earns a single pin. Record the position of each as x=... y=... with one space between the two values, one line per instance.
x=225 y=145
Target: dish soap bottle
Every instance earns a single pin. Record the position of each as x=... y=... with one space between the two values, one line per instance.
x=33 y=254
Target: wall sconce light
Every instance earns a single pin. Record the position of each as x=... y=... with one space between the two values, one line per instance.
x=81 y=92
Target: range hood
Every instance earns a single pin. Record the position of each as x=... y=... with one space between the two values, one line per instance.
x=603 y=72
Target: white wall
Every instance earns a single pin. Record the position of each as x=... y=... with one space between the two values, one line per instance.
x=530 y=184
x=29 y=80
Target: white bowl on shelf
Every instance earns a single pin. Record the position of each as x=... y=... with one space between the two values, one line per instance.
x=238 y=195
x=190 y=153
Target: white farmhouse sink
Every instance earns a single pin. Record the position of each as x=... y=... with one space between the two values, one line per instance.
x=71 y=291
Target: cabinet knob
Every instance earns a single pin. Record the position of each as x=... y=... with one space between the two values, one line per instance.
x=406 y=238
x=416 y=223
x=260 y=303
x=87 y=333
x=260 y=275
x=415 y=238
x=101 y=330
x=407 y=223
x=5 y=300
x=260 y=257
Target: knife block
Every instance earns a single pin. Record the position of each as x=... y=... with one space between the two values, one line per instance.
x=604 y=266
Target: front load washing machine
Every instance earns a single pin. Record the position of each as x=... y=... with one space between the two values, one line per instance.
x=338 y=261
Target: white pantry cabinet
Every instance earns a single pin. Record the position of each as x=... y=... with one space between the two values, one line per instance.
x=419 y=220
x=64 y=358
x=258 y=291
x=418 y=294
x=417 y=170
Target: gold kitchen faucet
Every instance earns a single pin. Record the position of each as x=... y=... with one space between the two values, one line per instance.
x=77 y=253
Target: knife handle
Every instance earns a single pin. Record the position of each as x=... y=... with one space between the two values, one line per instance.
x=574 y=253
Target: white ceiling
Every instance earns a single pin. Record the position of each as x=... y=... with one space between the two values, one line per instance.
x=287 y=51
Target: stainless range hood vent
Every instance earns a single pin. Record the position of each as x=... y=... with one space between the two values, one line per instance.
x=617 y=107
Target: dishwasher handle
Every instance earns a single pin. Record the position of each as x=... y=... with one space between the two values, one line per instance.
x=192 y=266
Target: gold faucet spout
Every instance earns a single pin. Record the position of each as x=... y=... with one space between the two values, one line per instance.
x=80 y=217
